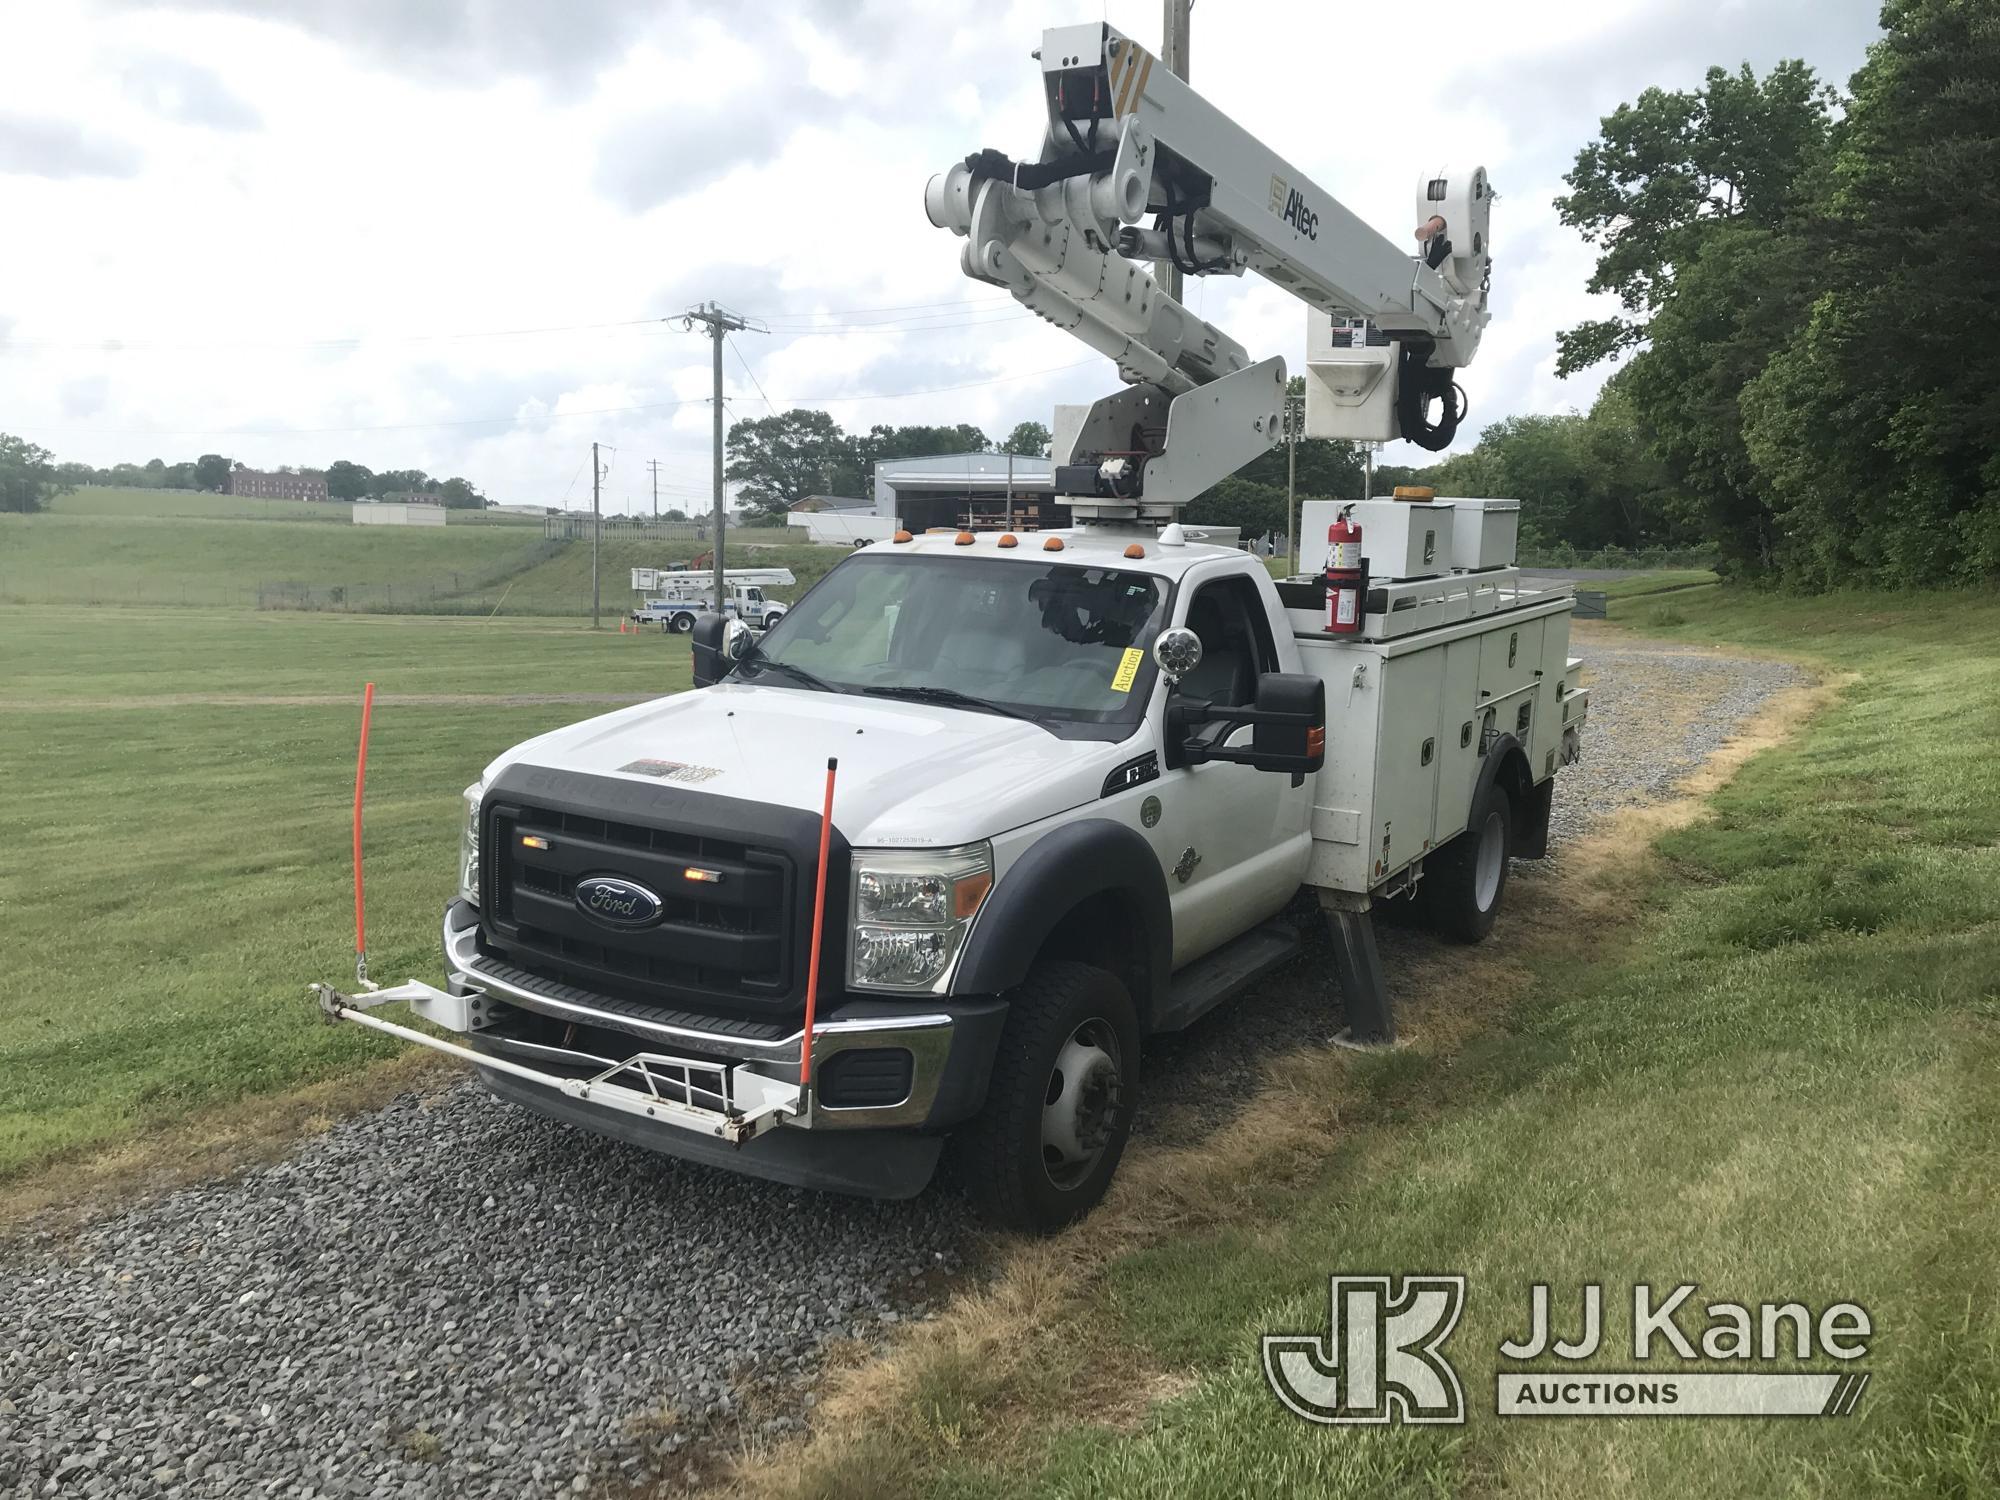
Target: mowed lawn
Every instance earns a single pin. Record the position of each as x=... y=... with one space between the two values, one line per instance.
x=110 y=500
x=1780 y=1079
x=57 y=656
x=177 y=873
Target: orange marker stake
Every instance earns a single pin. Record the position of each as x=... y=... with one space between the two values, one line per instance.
x=819 y=920
x=360 y=782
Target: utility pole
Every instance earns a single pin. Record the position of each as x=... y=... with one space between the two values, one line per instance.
x=1295 y=423
x=596 y=525
x=654 y=465
x=721 y=323
x=1174 y=53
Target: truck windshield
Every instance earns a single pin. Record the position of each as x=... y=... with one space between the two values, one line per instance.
x=1049 y=641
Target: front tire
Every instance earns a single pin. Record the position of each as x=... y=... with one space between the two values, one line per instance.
x=1466 y=879
x=1059 y=1103
x=679 y=624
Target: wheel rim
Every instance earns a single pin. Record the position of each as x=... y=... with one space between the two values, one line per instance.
x=1080 y=1104
x=1491 y=863
x=682 y=624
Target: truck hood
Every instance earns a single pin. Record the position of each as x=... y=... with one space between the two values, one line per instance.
x=911 y=774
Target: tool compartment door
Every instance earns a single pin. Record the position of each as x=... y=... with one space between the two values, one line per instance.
x=1407 y=752
x=1458 y=739
x=1508 y=660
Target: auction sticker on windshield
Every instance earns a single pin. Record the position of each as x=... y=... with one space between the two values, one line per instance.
x=1128 y=670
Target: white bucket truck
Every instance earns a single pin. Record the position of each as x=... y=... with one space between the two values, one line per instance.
x=1082 y=775
x=678 y=598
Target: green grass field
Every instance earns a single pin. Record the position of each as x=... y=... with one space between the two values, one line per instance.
x=92 y=500
x=1783 y=1082
x=179 y=870
x=108 y=548
x=112 y=561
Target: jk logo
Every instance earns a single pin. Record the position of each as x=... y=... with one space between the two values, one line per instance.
x=1379 y=1361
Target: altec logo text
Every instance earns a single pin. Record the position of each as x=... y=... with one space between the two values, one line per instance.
x=1289 y=204
x=1382 y=1358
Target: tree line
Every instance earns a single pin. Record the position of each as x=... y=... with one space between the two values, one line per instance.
x=30 y=477
x=1809 y=296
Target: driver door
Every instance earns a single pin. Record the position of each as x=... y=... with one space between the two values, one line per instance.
x=1233 y=840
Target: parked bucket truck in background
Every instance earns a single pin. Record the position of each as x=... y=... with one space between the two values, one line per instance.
x=1082 y=775
x=677 y=598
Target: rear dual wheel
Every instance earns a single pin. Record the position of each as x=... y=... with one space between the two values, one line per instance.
x=1464 y=881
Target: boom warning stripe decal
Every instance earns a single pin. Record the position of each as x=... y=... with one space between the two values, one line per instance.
x=1128 y=71
x=1119 y=66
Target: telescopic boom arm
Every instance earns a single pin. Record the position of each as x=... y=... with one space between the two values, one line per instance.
x=1136 y=167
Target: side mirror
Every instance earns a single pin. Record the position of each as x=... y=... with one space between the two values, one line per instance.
x=1288 y=722
x=735 y=640
x=719 y=642
x=1289 y=732
x=1176 y=652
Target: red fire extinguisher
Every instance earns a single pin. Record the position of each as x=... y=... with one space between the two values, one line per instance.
x=1344 y=579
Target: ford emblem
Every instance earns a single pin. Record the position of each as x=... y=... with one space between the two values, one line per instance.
x=621 y=903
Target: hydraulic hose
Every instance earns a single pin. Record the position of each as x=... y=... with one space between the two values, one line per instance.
x=1419 y=383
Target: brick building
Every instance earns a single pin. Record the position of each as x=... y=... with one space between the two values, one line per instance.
x=262 y=486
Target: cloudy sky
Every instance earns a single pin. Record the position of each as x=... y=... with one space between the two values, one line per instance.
x=457 y=234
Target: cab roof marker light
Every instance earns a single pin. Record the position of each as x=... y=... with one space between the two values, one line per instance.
x=1008 y=539
x=1053 y=544
x=902 y=536
x=963 y=539
x=1135 y=550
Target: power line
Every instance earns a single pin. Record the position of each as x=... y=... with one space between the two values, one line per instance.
x=751 y=373
x=595 y=411
x=914 y=313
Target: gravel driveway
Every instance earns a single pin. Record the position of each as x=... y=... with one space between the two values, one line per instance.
x=450 y=1297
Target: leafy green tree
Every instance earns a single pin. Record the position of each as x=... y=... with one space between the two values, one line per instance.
x=211 y=472
x=1251 y=507
x=28 y=479
x=1029 y=440
x=459 y=494
x=1877 y=427
x=402 y=482
x=778 y=460
x=1668 y=170
x=920 y=442
x=1698 y=203
x=348 y=481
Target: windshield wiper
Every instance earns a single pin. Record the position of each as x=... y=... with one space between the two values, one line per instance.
x=950 y=698
x=755 y=656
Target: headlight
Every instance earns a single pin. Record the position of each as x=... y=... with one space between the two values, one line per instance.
x=468 y=846
x=911 y=912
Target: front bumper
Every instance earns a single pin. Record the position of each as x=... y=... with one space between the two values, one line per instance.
x=950 y=1042
x=718 y=1090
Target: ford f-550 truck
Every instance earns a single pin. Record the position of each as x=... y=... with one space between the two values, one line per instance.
x=1081 y=773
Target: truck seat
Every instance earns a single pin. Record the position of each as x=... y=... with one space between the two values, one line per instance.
x=1225 y=674
x=986 y=653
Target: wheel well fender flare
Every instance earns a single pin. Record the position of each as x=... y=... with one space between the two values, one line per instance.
x=1059 y=872
x=1506 y=763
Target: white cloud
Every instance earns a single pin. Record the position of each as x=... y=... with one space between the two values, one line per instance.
x=263 y=230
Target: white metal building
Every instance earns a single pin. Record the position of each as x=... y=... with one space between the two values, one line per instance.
x=398 y=515
x=960 y=489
